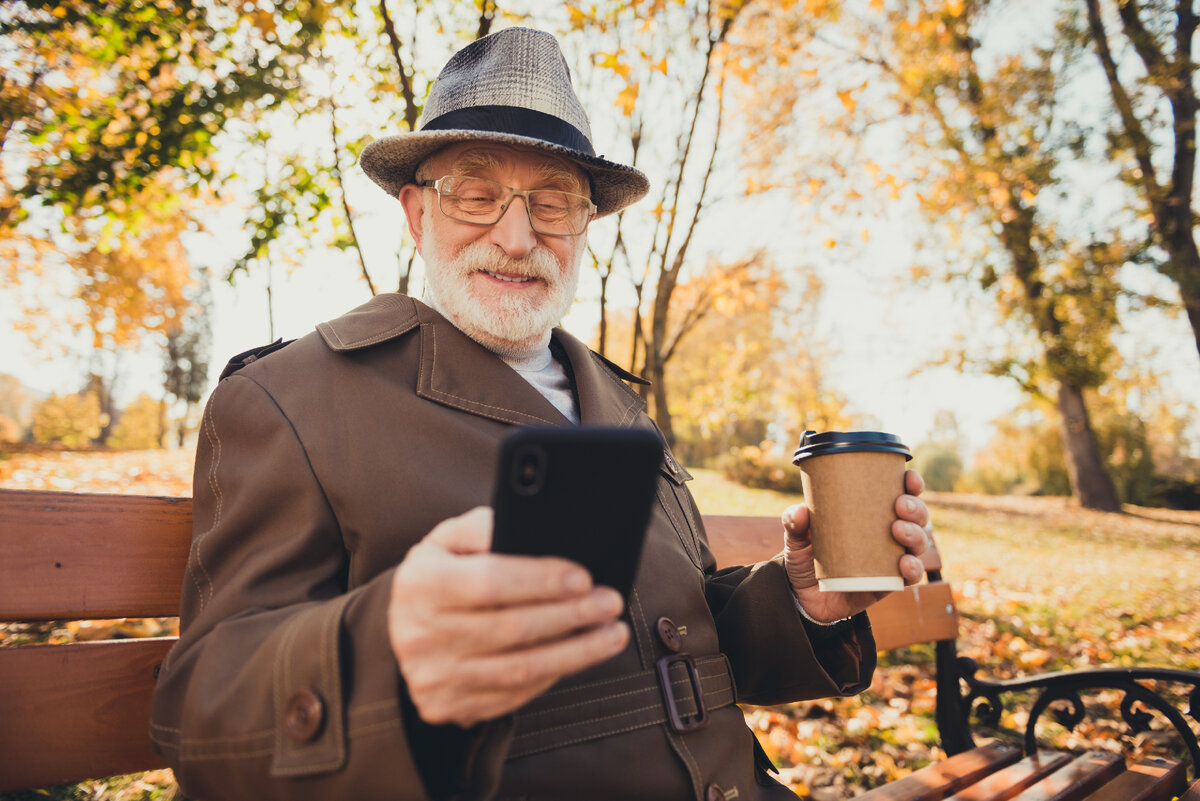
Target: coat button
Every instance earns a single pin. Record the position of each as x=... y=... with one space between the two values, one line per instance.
x=714 y=793
x=668 y=632
x=304 y=715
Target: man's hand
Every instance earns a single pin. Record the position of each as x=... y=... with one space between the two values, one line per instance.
x=912 y=529
x=478 y=634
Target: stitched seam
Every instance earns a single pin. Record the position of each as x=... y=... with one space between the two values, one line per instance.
x=675 y=524
x=229 y=739
x=207 y=755
x=585 y=739
x=380 y=337
x=214 y=441
x=693 y=768
x=282 y=679
x=303 y=449
x=674 y=683
x=329 y=680
x=606 y=371
x=644 y=640
x=589 y=701
x=677 y=682
x=589 y=722
x=375 y=728
x=333 y=333
x=707 y=662
x=471 y=404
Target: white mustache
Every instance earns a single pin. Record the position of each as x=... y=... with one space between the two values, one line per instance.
x=482 y=257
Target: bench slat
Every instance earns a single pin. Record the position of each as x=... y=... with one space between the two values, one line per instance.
x=936 y=781
x=1147 y=780
x=1083 y=776
x=74 y=556
x=1193 y=793
x=917 y=614
x=744 y=540
x=80 y=710
x=1004 y=784
x=923 y=613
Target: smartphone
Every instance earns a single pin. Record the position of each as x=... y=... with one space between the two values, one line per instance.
x=581 y=493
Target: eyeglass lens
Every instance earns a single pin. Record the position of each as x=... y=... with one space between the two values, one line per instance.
x=483 y=202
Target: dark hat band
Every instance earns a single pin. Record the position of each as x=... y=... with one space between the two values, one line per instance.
x=514 y=120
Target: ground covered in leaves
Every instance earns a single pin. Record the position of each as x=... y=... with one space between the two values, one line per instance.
x=1041 y=586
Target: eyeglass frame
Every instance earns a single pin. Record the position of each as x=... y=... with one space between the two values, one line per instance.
x=513 y=193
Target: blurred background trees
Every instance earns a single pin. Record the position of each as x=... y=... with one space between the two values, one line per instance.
x=1042 y=156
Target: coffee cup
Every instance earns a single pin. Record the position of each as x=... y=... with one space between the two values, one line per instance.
x=851 y=481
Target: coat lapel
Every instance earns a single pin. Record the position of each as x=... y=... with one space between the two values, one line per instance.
x=454 y=370
x=604 y=398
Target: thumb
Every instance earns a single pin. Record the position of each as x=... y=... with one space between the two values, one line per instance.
x=796 y=521
x=470 y=532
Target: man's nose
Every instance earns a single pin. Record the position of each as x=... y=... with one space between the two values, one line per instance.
x=513 y=233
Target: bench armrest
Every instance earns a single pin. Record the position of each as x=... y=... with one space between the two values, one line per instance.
x=1060 y=694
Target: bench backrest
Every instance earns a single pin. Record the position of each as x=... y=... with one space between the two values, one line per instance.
x=81 y=710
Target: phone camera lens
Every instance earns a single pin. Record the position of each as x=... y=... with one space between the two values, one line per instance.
x=529 y=473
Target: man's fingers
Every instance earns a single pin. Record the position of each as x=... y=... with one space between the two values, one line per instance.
x=912 y=509
x=911 y=568
x=470 y=532
x=542 y=665
x=913 y=483
x=467 y=691
x=911 y=536
x=516 y=627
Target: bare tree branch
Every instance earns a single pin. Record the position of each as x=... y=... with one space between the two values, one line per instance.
x=406 y=90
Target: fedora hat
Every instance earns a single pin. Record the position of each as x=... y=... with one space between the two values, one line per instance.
x=512 y=87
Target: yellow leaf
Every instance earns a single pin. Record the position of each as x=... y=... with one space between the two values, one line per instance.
x=831 y=243
x=662 y=66
x=847 y=98
x=955 y=8
x=627 y=99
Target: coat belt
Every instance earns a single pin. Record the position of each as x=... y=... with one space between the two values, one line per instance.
x=625 y=703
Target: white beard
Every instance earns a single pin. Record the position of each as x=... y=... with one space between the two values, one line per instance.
x=509 y=324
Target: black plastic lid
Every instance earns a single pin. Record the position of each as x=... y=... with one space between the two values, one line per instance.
x=814 y=444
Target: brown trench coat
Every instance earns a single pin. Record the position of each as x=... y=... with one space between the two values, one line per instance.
x=319 y=465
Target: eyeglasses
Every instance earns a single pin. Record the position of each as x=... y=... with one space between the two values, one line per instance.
x=478 y=201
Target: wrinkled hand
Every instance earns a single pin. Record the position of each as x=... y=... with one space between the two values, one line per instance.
x=912 y=529
x=478 y=634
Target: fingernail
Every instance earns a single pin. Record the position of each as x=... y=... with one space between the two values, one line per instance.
x=910 y=505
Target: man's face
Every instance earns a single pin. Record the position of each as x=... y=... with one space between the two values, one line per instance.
x=504 y=285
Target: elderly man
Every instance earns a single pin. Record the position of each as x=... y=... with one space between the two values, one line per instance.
x=347 y=632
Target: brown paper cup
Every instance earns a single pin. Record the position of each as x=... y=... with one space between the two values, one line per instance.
x=852 y=496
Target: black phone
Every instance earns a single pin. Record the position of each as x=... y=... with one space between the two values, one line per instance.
x=581 y=493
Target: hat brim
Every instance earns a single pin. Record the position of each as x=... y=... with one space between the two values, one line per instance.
x=392 y=161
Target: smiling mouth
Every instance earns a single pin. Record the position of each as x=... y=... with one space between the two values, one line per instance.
x=510 y=279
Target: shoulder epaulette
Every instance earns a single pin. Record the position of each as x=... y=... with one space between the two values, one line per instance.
x=254 y=354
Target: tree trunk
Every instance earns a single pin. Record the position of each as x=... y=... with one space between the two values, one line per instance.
x=656 y=374
x=1090 y=482
x=1184 y=268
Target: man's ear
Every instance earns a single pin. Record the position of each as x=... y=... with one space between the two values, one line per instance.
x=412 y=198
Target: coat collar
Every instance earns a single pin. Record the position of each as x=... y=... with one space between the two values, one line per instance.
x=458 y=372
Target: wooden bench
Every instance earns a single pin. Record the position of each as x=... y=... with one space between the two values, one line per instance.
x=80 y=710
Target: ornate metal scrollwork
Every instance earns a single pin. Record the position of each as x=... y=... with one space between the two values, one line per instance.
x=985 y=699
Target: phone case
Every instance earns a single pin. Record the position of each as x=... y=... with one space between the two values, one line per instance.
x=579 y=493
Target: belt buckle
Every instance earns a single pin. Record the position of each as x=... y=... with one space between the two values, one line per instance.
x=678 y=722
